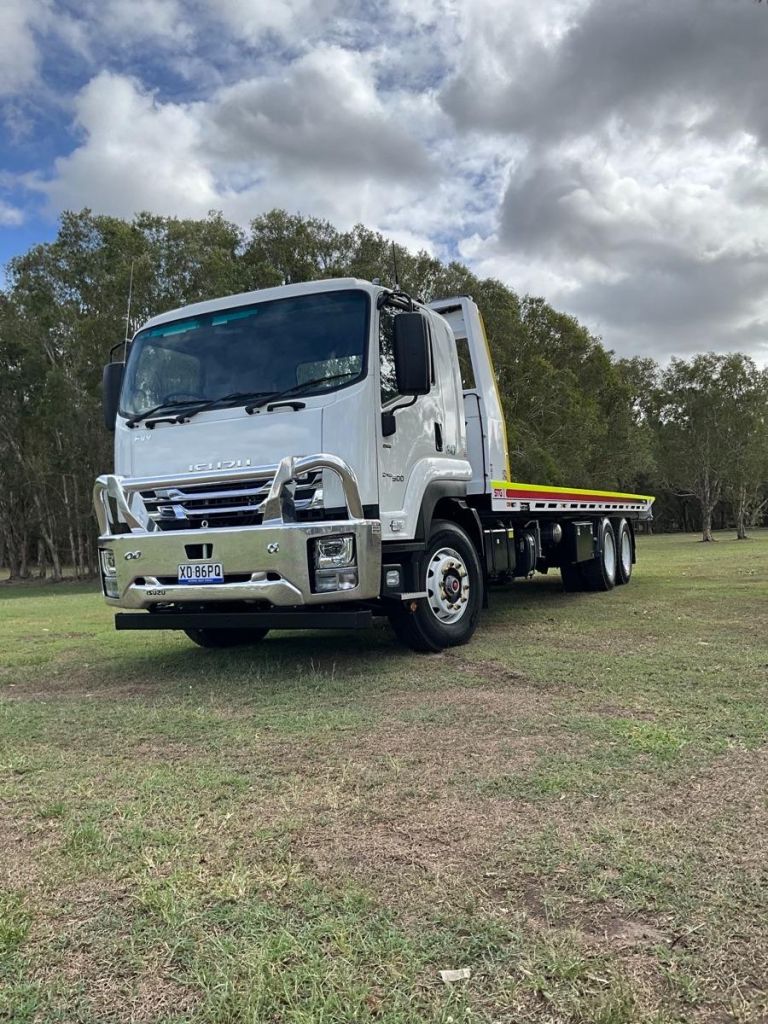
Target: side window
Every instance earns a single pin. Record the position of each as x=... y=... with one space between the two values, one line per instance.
x=465 y=364
x=387 y=354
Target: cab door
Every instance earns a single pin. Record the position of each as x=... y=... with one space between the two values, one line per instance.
x=407 y=456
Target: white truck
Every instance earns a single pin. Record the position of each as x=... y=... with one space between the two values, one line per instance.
x=314 y=455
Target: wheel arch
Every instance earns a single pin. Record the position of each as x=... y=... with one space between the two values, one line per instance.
x=456 y=510
x=447 y=500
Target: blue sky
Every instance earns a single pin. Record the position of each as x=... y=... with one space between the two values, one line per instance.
x=610 y=157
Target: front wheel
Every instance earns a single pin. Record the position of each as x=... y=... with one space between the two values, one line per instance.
x=453 y=581
x=225 y=637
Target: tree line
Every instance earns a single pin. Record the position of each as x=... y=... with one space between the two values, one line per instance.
x=695 y=432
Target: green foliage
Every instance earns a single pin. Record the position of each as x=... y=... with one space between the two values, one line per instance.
x=575 y=414
x=710 y=420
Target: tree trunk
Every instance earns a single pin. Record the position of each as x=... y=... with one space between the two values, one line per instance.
x=47 y=531
x=741 y=514
x=24 y=558
x=70 y=532
x=706 y=524
x=42 y=566
x=709 y=497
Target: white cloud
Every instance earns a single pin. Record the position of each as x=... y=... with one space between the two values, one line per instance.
x=19 y=56
x=612 y=158
x=137 y=154
x=163 y=21
x=316 y=137
x=293 y=20
x=10 y=216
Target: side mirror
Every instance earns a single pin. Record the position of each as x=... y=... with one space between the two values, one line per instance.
x=111 y=383
x=411 y=351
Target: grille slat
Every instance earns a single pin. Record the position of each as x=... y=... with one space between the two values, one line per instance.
x=182 y=508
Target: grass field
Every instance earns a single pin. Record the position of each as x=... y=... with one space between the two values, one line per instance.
x=573 y=806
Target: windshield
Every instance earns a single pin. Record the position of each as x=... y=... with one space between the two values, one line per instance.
x=261 y=349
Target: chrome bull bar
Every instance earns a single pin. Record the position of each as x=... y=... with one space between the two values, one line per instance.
x=277 y=508
x=266 y=563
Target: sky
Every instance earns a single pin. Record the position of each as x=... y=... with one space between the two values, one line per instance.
x=609 y=156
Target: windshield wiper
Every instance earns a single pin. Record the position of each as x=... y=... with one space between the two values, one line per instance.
x=233 y=398
x=192 y=407
x=297 y=389
x=133 y=420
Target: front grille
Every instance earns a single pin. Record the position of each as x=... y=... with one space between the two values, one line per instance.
x=229 y=504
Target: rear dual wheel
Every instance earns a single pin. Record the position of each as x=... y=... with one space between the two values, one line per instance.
x=600 y=572
x=611 y=566
x=625 y=550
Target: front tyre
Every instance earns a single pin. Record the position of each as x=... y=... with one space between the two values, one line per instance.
x=453 y=581
x=225 y=637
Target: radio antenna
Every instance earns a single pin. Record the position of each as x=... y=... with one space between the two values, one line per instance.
x=394 y=266
x=128 y=310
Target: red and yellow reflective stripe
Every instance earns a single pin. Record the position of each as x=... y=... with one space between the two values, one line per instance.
x=538 y=492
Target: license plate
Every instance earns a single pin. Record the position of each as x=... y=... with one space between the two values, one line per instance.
x=201 y=572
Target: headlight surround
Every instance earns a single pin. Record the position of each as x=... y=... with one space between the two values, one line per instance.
x=335 y=565
x=334 y=552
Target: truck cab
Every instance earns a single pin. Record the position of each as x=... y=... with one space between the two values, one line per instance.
x=308 y=455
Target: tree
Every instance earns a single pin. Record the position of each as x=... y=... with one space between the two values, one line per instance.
x=574 y=413
x=700 y=428
x=746 y=441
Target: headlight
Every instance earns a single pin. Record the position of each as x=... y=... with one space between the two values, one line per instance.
x=108 y=566
x=108 y=572
x=334 y=552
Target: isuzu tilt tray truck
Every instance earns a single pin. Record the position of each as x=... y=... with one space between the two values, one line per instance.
x=317 y=454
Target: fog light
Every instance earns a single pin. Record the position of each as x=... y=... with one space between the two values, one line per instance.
x=332 y=580
x=347 y=579
x=392 y=578
x=334 y=552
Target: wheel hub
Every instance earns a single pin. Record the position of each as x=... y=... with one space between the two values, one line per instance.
x=447 y=585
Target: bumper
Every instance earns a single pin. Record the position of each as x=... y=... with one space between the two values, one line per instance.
x=269 y=564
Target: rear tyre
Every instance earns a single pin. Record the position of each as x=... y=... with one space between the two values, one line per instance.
x=624 y=551
x=225 y=637
x=600 y=572
x=453 y=580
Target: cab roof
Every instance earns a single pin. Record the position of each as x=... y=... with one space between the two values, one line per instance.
x=283 y=291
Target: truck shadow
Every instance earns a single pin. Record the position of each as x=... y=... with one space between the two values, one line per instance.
x=288 y=660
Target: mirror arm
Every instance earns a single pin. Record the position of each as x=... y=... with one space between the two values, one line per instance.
x=125 y=345
x=388 y=422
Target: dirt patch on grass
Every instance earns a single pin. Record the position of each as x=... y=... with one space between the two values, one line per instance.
x=487 y=668
x=79 y=943
x=24 y=845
